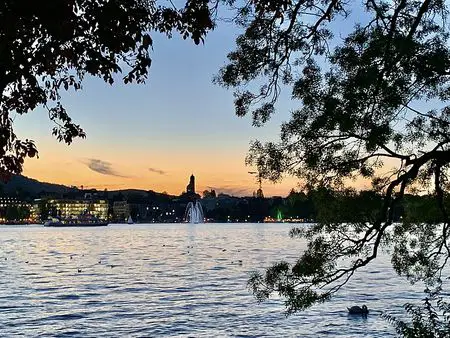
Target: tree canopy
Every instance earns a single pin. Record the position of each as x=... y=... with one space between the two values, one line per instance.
x=373 y=103
x=50 y=46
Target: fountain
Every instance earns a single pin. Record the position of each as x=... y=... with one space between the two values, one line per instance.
x=194 y=212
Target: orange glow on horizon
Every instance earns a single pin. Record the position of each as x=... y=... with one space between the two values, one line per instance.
x=225 y=173
x=156 y=170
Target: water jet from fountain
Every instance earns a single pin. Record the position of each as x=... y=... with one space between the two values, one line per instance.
x=194 y=212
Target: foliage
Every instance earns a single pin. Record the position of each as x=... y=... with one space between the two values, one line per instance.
x=209 y=193
x=46 y=210
x=50 y=46
x=16 y=213
x=360 y=112
x=300 y=205
x=428 y=321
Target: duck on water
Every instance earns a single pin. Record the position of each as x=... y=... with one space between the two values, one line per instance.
x=356 y=310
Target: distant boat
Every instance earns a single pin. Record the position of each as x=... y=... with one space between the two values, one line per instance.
x=85 y=221
x=130 y=220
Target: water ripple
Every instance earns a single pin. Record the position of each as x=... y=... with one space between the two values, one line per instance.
x=171 y=280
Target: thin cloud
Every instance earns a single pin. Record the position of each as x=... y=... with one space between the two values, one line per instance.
x=102 y=167
x=157 y=171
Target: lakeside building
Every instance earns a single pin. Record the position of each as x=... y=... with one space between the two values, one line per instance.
x=35 y=214
x=121 y=210
x=12 y=201
x=68 y=208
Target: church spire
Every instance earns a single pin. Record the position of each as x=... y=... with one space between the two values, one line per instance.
x=190 y=189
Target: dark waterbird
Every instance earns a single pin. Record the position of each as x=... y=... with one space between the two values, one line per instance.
x=356 y=310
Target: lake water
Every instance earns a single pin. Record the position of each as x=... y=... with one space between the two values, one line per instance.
x=172 y=280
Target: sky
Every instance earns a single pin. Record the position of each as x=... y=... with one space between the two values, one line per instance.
x=154 y=136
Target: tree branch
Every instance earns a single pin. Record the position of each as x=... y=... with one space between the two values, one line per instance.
x=416 y=22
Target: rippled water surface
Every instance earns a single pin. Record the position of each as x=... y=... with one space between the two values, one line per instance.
x=171 y=280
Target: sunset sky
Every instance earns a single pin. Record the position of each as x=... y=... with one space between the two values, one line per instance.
x=153 y=136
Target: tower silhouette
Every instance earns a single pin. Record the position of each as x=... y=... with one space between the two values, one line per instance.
x=190 y=189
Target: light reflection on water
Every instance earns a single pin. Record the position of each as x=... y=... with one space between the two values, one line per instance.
x=171 y=280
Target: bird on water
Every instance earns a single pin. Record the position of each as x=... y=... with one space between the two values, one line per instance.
x=356 y=310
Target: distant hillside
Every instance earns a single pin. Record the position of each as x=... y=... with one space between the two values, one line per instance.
x=127 y=192
x=137 y=195
x=29 y=188
x=22 y=184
